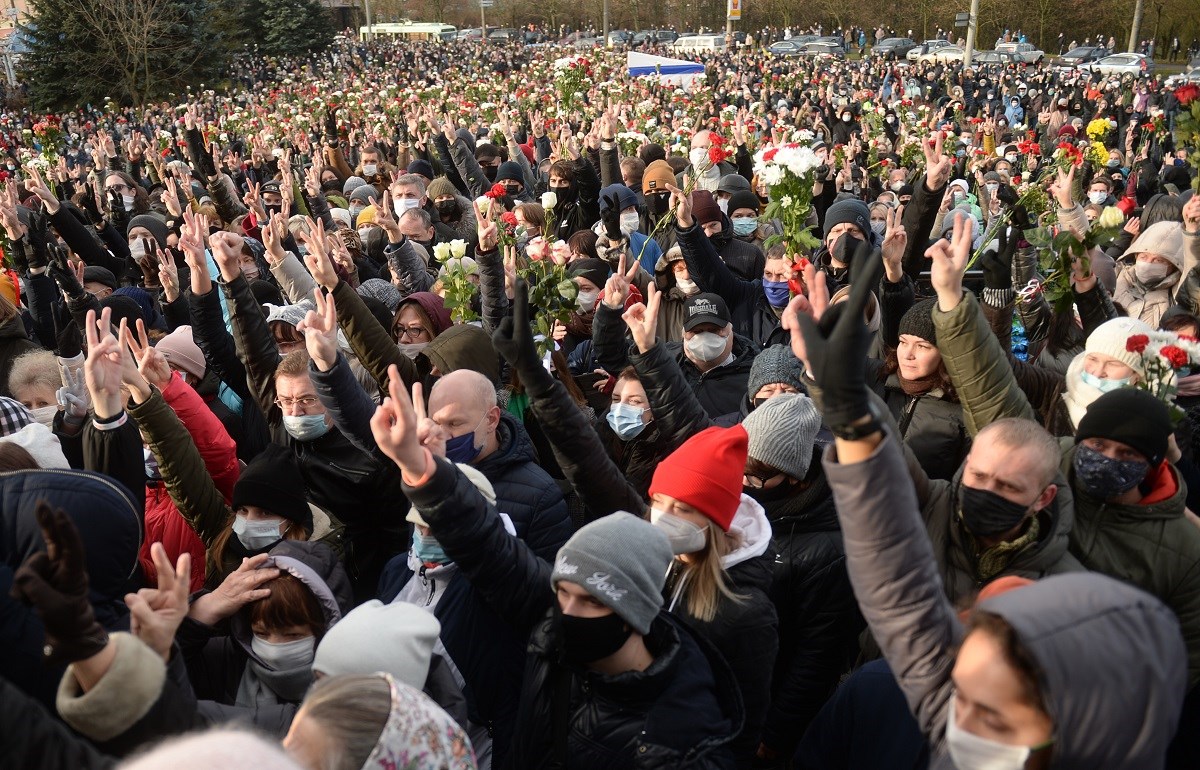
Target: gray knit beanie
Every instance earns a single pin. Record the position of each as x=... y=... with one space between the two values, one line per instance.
x=775 y=364
x=622 y=561
x=782 y=432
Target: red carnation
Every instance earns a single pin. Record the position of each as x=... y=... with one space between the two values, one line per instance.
x=498 y=191
x=795 y=286
x=509 y=218
x=1187 y=94
x=1137 y=343
x=769 y=155
x=1178 y=357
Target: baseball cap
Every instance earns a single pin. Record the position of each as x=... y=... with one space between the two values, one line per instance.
x=705 y=308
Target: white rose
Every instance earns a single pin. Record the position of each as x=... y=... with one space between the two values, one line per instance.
x=458 y=247
x=484 y=203
x=549 y=200
x=1110 y=217
x=441 y=251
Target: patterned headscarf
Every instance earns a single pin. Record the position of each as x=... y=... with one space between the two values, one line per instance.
x=419 y=735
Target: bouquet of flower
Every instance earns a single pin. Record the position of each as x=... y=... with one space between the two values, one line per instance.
x=572 y=81
x=1099 y=128
x=788 y=172
x=1057 y=254
x=1163 y=355
x=457 y=288
x=1187 y=126
x=552 y=293
x=1067 y=155
x=48 y=133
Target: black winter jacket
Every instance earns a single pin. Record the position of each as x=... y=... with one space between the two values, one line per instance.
x=752 y=315
x=744 y=259
x=681 y=712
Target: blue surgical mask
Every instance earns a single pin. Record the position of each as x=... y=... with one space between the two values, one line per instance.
x=462 y=449
x=777 y=292
x=305 y=427
x=428 y=550
x=1104 y=386
x=256 y=535
x=626 y=421
x=744 y=225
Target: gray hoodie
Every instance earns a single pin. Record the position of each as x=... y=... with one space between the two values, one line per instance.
x=1112 y=659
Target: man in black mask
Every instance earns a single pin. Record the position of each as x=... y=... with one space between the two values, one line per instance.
x=847 y=223
x=576 y=188
x=656 y=181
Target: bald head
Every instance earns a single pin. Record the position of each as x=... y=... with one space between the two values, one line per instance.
x=464 y=401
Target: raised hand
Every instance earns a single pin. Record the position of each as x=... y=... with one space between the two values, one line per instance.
x=642 y=320
x=431 y=435
x=938 y=166
x=394 y=427
x=385 y=218
x=151 y=364
x=317 y=260
x=616 y=288
x=55 y=583
x=1062 y=188
x=170 y=197
x=950 y=264
x=895 y=240
x=168 y=274
x=73 y=396
x=274 y=233
x=155 y=614
x=997 y=265
x=227 y=251
x=320 y=331
x=36 y=185
x=487 y=230
x=1191 y=214
x=682 y=205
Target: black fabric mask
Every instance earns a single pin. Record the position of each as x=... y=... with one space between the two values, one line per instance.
x=332 y=186
x=844 y=248
x=659 y=204
x=448 y=208
x=272 y=209
x=565 y=195
x=986 y=513
x=490 y=172
x=765 y=497
x=585 y=640
x=513 y=190
x=1102 y=477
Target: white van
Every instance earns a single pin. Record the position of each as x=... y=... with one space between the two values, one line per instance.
x=696 y=43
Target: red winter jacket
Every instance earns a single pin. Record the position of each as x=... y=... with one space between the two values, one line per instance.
x=163 y=522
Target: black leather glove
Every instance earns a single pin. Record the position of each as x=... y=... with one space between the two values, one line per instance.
x=61 y=272
x=1020 y=219
x=836 y=345
x=513 y=339
x=611 y=217
x=38 y=254
x=997 y=265
x=331 y=127
x=1006 y=195
x=55 y=583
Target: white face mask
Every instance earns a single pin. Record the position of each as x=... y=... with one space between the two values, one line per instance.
x=250 y=271
x=630 y=222
x=285 y=656
x=363 y=232
x=1097 y=196
x=401 y=205
x=699 y=158
x=127 y=201
x=971 y=752
x=1150 y=273
x=683 y=535
x=1011 y=158
x=992 y=187
x=137 y=250
x=845 y=117
x=411 y=349
x=686 y=285
x=44 y=415
x=896 y=186
x=369 y=169
x=256 y=535
x=723 y=205
x=705 y=346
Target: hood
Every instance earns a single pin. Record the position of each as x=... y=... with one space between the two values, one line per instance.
x=464 y=346
x=1112 y=667
x=433 y=306
x=41 y=443
x=1162 y=238
x=514 y=447
x=315 y=565
x=750 y=522
x=1077 y=395
x=468 y=137
x=108 y=520
x=14 y=327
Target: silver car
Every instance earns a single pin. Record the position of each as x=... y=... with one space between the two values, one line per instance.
x=1123 y=64
x=928 y=47
x=1026 y=52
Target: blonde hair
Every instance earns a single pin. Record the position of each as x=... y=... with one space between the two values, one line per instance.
x=703 y=578
x=352 y=710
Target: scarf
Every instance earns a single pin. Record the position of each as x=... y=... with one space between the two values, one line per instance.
x=1189 y=385
x=418 y=734
x=261 y=686
x=919 y=386
x=580 y=324
x=996 y=559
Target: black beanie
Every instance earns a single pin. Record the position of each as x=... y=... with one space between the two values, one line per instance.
x=918 y=321
x=595 y=270
x=510 y=170
x=272 y=481
x=849 y=210
x=743 y=199
x=1134 y=418
x=265 y=292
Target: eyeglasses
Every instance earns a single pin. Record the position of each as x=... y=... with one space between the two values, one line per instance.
x=304 y=402
x=120 y=187
x=412 y=332
x=757 y=482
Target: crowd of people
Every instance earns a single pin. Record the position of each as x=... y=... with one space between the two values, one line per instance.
x=433 y=406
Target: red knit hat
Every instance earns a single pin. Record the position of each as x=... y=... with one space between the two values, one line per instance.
x=706 y=473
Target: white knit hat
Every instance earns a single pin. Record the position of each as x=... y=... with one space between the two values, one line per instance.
x=1110 y=339
x=396 y=638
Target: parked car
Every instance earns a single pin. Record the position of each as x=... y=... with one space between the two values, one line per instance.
x=821 y=49
x=1123 y=64
x=928 y=47
x=893 y=48
x=698 y=43
x=786 y=48
x=943 y=54
x=620 y=37
x=1079 y=56
x=472 y=33
x=504 y=35
x=995 y=58
x=587 y=43
x=1026 y=52
x=1190 y=75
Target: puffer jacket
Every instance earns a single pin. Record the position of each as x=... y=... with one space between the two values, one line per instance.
x=164 y=524
x=530 y=497
x=1074 y=626
x=931 y=425
x=682 y=712
x=745 y=260
x=110 y=528
x=1151 y=545
x=819 y=621
x=216 y=658
x=751 y=314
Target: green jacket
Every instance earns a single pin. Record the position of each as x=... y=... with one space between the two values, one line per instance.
x=1153 y=547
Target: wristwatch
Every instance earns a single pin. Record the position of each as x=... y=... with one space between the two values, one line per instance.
x=855 y=430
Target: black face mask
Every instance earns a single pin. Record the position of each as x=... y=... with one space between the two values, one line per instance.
x=659 y=204
x=1102 y=477
x=844 y=248
x=448 y=208
x=513 y=190
x=272 y=209
x=490 y=172
x=987 y=514
x=585 y=640
x=332 y=186
x=765 y=497
x=565 y=195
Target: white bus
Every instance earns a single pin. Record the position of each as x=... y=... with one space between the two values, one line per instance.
x=409 y=30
